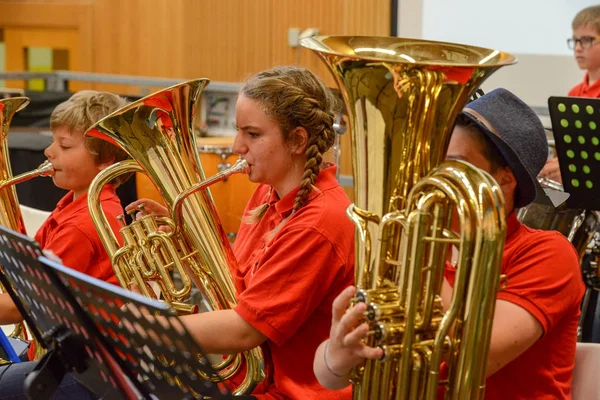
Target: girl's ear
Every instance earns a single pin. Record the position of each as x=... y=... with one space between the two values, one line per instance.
x=298 y=140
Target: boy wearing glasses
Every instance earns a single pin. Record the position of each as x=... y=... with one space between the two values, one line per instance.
x=585 y=40
x=586 y=46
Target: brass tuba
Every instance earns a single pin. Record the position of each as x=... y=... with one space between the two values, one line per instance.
x=10 y=213
x=157 y=133
x=402 y=97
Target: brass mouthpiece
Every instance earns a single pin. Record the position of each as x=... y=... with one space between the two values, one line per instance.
x=240 y=167
x=45 y=169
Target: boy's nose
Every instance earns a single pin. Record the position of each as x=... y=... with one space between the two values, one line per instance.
x=48 y=152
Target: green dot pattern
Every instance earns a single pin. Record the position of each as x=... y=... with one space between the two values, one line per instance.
x=577 y=122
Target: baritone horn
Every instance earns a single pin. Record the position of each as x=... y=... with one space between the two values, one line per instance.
x=10 y=213
x=402 y=98
x=156 y=132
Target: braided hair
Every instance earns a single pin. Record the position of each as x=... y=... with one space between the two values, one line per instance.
x=294 y=97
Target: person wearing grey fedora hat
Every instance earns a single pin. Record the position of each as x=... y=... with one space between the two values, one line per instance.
x=516 y=132
x=538 y=310
x=534 y=331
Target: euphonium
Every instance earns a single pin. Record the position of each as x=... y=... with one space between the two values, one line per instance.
x=10 y=213
x=157 y=133
x=402 y=97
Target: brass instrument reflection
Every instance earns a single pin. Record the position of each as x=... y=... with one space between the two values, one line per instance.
x=402 y=96
x=157 y=133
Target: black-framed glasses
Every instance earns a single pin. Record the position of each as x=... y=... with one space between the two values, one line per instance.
x=585 y=42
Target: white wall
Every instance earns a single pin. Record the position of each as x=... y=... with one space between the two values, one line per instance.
x=533 y=30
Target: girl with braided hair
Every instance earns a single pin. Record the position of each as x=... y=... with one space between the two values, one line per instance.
x=295 y=246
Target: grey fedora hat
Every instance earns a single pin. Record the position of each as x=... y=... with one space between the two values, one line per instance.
x=518 y=134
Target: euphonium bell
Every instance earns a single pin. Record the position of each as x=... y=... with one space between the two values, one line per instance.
x=402 y=97
x=10 y=214
x=157 y=133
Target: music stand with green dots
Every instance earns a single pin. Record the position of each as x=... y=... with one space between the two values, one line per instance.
x=576 y=128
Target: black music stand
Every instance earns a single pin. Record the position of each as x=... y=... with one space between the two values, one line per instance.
x=576 y=128
x=159 y=351
x=57 y=326
x=158 y=357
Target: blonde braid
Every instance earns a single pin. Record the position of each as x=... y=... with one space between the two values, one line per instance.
x=314 y=154
x=256 y=214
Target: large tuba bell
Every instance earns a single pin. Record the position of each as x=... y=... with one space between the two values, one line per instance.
x=10 y=213
x=157 y=133
x=402 y=97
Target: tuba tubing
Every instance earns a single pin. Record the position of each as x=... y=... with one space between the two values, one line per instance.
x=402 y=97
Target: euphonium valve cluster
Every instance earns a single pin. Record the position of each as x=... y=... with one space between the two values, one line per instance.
x=402 y=97
x=156 y=132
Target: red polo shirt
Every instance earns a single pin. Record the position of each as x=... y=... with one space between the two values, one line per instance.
x=544 y=278
x=286 y=286
x=585 y=90
x=70 y=233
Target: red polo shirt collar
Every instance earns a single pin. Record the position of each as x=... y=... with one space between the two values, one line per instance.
x=325 y=180
x=67 y=202
x=584 y=89
x=594 y=87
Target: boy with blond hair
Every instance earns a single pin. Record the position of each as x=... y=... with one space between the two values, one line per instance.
x=69 y=231
x=586 y=46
